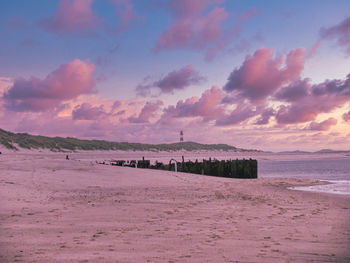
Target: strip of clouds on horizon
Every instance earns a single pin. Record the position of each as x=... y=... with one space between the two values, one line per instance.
x=261 y=79
x=298 y=102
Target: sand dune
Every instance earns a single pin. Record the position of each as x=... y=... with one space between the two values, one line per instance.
x=53 y=210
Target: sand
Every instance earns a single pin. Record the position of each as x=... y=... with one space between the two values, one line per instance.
x=53 y=210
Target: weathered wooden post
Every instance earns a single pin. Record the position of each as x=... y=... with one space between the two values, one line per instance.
x=175 y=165
x=183 y=164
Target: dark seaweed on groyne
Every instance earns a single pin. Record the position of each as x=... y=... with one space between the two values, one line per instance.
x=247 y=169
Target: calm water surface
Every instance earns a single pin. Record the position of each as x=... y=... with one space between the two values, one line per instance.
x=335 y=170
x=323 y=169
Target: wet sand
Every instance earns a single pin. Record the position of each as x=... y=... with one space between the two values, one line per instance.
x=53 y=210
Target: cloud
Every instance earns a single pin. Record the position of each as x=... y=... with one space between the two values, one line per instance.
x=265 y=116
x=253 y=11
x=241 y=113
x=297 y=113
x=174 y=80
x=313 y=49
x=148 y=112
x=86 y=111
x=125 y=11
x=261 y=74
x=294 y=91
x=263 y=78
x=322 y=126
x=223 y=42
x=346 y=116
x=190 y=28
x=207 y=106
x=72 y=17
x=116 y=105
x=5 y=83
x=320 y=98
x=340 y=33
x=333 y=87
x=65 y=83
x=199 y=24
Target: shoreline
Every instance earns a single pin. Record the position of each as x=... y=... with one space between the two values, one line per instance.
x=335 y=187
x=55 y=210
x=165 y=156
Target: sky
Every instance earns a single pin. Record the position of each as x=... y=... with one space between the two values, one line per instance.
x=269 y=75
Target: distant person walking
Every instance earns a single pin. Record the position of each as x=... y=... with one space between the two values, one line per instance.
x=67 y=158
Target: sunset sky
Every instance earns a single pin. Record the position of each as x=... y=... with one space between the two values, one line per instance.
x=269 y=75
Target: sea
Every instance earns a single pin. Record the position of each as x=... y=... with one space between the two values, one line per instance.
x=334 y=168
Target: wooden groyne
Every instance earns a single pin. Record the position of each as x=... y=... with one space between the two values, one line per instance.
x=247 y=169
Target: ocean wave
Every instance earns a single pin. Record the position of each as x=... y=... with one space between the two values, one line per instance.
x=341 y=187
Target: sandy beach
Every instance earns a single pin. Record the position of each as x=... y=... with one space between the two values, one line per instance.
x=54 y=210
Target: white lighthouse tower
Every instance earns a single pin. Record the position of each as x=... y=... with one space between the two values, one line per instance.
x=181 y=136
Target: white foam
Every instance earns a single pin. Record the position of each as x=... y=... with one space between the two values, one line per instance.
x=336 y=187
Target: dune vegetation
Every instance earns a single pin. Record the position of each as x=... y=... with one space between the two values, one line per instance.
x=24 y=140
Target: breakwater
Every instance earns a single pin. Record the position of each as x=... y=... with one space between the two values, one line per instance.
x=246 y=168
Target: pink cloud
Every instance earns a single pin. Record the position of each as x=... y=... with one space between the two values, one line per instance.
x=262 y=78
x=340 y=33
x=265 y=116
x=320 y=98
x=5 y=83
x=341 y=88
x=227 y=38
x=72 y=16
x=67 y=82
x=322 y=126
x=198 y=24
x=223 y=42
x=174 y=80
x=297 y=113
x=346 y=116
x=294 y=91
x=116 y=105
x=207 y=106
x=313 y=49
x=125 y=12
x=187 y=8
x=241 y=113
x=253 y=11
x=148 y=111
x=86 y=111
x=190 y=27
x=179 y=79
x=261 y=74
